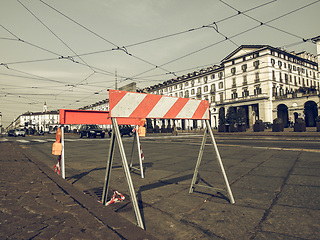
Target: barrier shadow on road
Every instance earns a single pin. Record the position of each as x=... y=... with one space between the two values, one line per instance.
x=75 y=178
x=217 y=194
x=158 y=184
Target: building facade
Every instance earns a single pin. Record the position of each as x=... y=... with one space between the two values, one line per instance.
x=260 y=79
x=33 y=122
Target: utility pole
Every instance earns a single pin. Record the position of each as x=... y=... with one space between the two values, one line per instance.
x=316 y=40
x=116 y=80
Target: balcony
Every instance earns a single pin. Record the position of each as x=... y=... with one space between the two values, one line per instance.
x=245 y=99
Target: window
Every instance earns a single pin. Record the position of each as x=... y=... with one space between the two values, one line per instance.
x=279 y=64
x=192 y=83
x=257 y=79
x=233 y=71
x=221 y=97
x=186 y=93
x=245 y=92
x=206 y=88
x=186 y=84
x=273 y=75
x=234 y=82
x=234 y=94
x=205 y=79
x=245 y=82
x=273 y=62
x=213 y=98
x=212 y=76
x=244 y=67
x=256 y=64
x=286 y=78
x=220 y=75
x=213 y=88
x=198 y=90
x=257 y=90
x=274 y=90
x=220 y=85
x=192 y=91
x=280 y=77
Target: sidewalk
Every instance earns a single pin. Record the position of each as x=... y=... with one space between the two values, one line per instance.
x=310 y=133
x=36 y=203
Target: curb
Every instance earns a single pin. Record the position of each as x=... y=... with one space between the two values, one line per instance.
x=121 y=226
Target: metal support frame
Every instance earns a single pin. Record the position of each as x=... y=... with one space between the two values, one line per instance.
x=116 y=136
x=63 y=172
x=108 y=169
x=196 y=171
x=136 y=137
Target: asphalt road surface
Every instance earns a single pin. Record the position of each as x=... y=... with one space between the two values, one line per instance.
x=275 y=183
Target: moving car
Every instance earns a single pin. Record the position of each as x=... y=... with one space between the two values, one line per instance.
x=91 y=130
x=124 y=130
x=19 y=132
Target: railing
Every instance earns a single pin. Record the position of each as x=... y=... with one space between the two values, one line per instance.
x=247 y=98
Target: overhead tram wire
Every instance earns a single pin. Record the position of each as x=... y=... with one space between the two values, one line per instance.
x=118 y=48
x=115 y=45
x=26 y=42
x=231 y=37
x=54 y=34
x=173 y=34
x=46 y=50
x=198 y=28
x=274 y=19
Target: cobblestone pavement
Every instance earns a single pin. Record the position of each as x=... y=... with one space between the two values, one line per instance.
x=37 y=204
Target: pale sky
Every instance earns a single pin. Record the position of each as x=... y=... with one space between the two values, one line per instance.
x=66 y=52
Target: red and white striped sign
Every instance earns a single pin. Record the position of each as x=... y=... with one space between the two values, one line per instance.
x=141 y=105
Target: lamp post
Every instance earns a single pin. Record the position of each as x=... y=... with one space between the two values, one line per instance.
x=0 y=123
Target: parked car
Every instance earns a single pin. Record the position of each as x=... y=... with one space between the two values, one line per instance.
x=19 y=132
x=11 y=133
x=124 y=130
x=91 y=130
x=40 y=133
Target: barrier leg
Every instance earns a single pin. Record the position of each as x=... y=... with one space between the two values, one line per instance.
x=108 y=169
x=139 y=153
x=136 y=137
x=133 y=143
x=196 y=170
x=127 y=173
x=63 y=172
x=220 y=162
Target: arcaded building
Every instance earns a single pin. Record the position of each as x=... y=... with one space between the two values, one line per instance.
x=265 y=81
